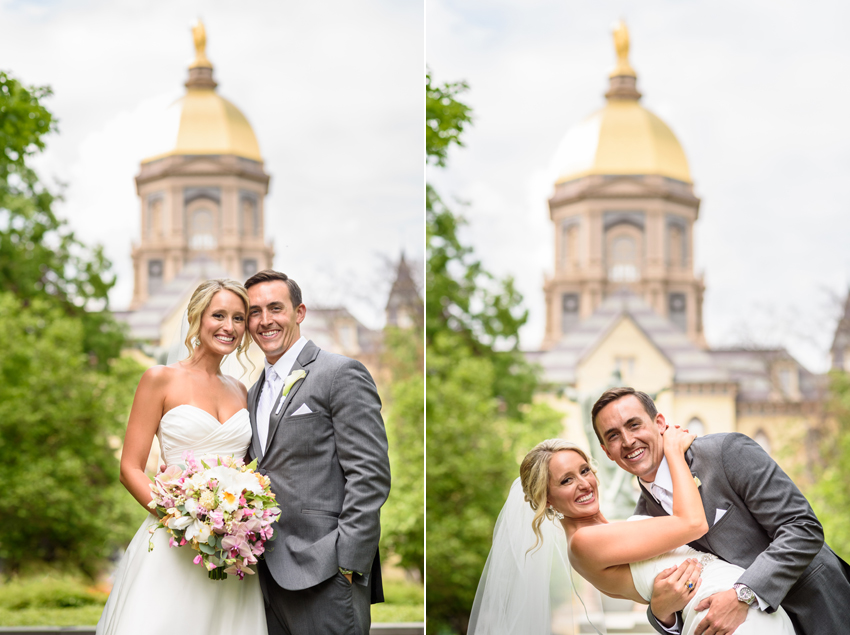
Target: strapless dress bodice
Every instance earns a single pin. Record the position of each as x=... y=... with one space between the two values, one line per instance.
x=188 y=427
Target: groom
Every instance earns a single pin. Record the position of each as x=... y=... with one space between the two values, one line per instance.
x=757 y=519
x=319 y=436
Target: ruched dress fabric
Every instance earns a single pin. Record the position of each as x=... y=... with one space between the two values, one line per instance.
x=162 y=591
x=717 y=575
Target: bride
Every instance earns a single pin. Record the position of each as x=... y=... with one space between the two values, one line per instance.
x=189 y=405
x=620 y=559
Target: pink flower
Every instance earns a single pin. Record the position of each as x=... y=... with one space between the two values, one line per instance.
x=237 y=543
x=198 y=559
x=217 y=519
x=191 y=462
x=172 y=542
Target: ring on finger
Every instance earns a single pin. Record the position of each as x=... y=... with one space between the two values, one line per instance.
x=689 y=585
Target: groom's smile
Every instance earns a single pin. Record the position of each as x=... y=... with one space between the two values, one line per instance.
x=630 y=437
x=273 y=321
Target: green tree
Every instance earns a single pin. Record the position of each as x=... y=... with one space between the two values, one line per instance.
x=403 y=517
x=39 y=256
x=64 y=390
x=830 y=491
x=60 y=423
x=479 y=405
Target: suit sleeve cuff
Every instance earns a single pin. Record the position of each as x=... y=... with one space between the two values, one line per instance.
x=762 y=604
x=676 y=628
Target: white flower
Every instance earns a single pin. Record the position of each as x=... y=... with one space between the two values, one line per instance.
x=233 y=481
x=179 y=522
x=198 y=530
x=229 y=501
x=291 y=380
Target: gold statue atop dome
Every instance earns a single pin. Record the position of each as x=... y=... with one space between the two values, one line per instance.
x=199 y=34
x=621 y=44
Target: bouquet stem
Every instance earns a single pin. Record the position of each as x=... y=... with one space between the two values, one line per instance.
x=218 y=574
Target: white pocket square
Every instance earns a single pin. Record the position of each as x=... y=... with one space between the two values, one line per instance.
x=303 y=410
x=719 y=514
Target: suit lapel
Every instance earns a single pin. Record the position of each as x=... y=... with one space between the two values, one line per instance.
x=253 y=401
x=652 y=506
x=306 y=357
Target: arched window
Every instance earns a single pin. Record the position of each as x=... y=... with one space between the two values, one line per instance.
x=696 y=426
x=203 y=231
x=623 y=267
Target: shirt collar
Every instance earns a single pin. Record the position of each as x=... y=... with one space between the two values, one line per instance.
x=663 y=479
x=284 y=365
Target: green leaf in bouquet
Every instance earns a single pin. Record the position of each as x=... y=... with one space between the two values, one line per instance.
x=206 y=467
x=252 y=465
x=211 y=540
x=204 y=547
x=182 y=509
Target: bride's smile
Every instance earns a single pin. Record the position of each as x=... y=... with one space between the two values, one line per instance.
x=573 y=488
x=222 y=326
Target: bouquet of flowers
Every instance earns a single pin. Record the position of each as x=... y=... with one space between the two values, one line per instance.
x=219 y=506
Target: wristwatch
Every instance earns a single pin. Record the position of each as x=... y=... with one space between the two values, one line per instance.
x=745 y=593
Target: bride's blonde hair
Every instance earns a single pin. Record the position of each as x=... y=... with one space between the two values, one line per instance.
x=200 y=302
x=534 y=476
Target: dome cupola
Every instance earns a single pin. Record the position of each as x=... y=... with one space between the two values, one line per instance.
x=202 y=122
x=623 y=138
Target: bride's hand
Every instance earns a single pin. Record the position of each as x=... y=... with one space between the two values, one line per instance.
x=677 y=440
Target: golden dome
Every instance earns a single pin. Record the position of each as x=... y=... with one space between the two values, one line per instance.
x=205 y=122
x=624 y=137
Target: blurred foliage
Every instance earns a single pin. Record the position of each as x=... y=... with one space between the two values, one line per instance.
x=830 y=492
x=61 y=420
x=445 y=118
x=479 y=401
x=50 y=591
x=64 y=390
x=405 y=601
x=39 y=256
x=403 y=516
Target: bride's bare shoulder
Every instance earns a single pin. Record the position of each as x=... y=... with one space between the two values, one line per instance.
x=158 y=377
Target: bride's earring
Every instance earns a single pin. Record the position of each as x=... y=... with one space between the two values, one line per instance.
x=557 y=514
x=239 y=348
x=196 y=342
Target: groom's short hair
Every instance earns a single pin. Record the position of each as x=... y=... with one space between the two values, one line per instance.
x=612 y=395
x=270 y=275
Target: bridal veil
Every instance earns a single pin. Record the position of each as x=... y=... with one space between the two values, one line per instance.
x=525 y=591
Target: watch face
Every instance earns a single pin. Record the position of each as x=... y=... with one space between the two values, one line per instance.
x=745 y=594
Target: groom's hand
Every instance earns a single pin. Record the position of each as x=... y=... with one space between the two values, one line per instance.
x=725 y=613
x=670 y=591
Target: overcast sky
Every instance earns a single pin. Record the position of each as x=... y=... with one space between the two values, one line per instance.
x=755 y=90
x=332 y=89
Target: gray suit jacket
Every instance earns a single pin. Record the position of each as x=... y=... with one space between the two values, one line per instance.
x=769 y=529
x=329 y=470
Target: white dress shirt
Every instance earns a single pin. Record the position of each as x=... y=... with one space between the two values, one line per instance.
x=662 y=491
x=271 y=388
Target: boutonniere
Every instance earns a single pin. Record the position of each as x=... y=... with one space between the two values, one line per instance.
x=293 y=378
x=697 y=481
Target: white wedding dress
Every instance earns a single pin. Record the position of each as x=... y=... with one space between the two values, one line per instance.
x=717 y=575
x=162 y=591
